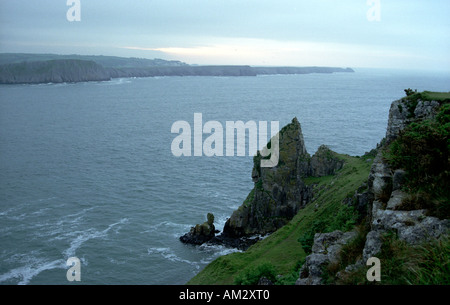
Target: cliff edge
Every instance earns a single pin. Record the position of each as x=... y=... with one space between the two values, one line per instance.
x=391 y=203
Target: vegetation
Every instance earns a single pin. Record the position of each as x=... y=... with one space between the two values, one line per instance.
x=403 y=264
x=282 y=249
x=412 y=98
x=252 y=275
x=349 y=254
x=423 y=151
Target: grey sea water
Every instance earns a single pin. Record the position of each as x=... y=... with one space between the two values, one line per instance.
x=86 y=169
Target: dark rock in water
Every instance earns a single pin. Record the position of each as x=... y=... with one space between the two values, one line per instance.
x=206 y=233
x=242 y=243
x=200 y=234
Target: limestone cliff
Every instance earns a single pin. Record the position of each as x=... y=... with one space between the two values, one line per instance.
x=386 y=196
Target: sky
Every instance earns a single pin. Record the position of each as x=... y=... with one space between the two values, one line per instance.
x=398 y=34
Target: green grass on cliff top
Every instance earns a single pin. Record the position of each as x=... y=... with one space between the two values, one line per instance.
x=282 y=248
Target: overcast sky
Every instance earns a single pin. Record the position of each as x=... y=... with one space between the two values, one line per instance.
x=409 y=33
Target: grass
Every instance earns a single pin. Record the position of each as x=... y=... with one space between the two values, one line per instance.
x=413 y=99
x=403 y=264
x=282 y=249
x=423 y=150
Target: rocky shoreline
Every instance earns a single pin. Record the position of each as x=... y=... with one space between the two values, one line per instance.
x=278 y=193
x=382 y=214
x=40 y=68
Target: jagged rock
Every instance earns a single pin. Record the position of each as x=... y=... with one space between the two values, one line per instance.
x=279 y=192
x=396 y=199
x=380 y=177
x=200 y=234
x=426 y=109
x=324 y=162
x=413 y=227
x=325 y=250
x=383 y=198
x=373 y=245
x=398 y=119
x=403 y=112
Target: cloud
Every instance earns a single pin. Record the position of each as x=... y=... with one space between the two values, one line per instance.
x=286 y=53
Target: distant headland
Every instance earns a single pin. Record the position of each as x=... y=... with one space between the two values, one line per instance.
x=23 y=68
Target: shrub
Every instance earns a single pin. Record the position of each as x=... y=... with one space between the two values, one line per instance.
x=307 y=239
x=251 y=276
x=423 y=150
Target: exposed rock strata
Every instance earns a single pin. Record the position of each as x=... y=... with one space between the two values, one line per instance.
x=384 y=199
x=325 y=250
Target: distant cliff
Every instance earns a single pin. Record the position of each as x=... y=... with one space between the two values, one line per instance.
x=49 y=68
x=52 y=71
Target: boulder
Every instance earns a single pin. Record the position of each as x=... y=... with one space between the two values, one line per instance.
x=325 y=250
x=201 y=233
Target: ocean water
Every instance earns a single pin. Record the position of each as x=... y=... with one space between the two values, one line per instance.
x=86 y=169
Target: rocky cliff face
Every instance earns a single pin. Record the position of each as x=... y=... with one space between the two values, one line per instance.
x=49 y=68
x=384 y=196
x=405 y=111
x=412 y=226
x=279 y=192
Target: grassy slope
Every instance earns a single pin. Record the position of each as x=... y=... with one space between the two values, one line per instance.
x=282 y=248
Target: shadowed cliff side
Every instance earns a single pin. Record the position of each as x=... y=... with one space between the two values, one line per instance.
x=52 y=71
x=280 y=191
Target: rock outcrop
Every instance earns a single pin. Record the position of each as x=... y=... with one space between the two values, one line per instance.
x=279 y=192
x=201 y=233
x=324 y=251
x=382 y=202
x=407 y=110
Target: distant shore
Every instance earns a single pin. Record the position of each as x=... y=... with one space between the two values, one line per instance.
x=48 y=68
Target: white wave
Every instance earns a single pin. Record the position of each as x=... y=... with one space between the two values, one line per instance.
x=216 y=251
x=33 y=266
x=117 y=81
x=84 y=236
x=178 y=227
x=170 y=255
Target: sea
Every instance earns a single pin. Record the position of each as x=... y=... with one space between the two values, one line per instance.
x=87 y=169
